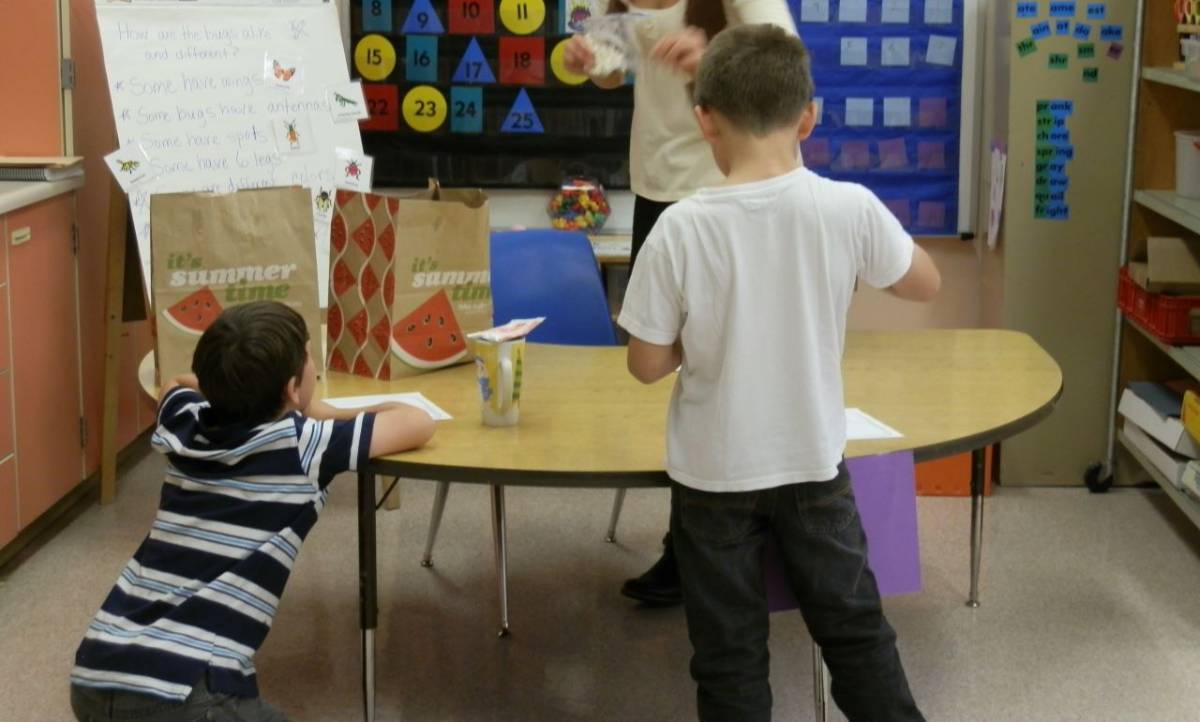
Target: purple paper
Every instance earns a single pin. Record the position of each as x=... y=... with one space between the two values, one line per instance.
x=893 y=154
x=900 y=208
x=931 y=113
x=931 y=155
x=885 y=489
x=931 y=214
x=855 y=155
x=1115 y=50
x=815 y=152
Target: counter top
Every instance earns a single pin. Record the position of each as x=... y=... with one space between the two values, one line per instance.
x=15 y=195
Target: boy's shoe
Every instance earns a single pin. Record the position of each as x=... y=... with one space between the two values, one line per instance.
x=659 y=586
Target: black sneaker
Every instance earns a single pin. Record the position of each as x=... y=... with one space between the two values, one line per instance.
x=659 y=586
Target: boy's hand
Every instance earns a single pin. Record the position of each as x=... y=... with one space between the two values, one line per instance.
x=682 y=50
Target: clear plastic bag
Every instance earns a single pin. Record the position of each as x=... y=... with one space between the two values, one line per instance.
x=611 y=40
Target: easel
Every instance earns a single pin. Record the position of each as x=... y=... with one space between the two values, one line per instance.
x=114 y=299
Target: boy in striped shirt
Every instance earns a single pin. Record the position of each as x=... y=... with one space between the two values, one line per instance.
x=249 y=456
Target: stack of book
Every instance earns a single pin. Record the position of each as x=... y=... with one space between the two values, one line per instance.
x=1154 y=425
x=39 y=169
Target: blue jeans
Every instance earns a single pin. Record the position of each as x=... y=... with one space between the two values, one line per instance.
x=719 y=540
x=102 y=705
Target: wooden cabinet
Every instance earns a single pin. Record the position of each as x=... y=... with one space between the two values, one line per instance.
x=45 y=354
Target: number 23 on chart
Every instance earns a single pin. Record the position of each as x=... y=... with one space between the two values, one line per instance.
x=424 y=109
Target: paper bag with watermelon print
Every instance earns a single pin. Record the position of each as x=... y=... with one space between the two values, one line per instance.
x=362 y=285
x=443 y=277
x=210 y=251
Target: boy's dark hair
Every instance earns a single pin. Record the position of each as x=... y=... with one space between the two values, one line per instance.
x=757 y=76
x=246 y=358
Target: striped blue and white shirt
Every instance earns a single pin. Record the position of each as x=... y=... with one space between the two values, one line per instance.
x=200 y=593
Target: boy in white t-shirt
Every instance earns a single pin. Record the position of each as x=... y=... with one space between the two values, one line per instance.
x=747 y=287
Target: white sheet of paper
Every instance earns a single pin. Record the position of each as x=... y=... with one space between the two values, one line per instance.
x=895 y=52
x=941 y=50
x=130 y=165
x=609 y=249
x=852 y=11
x=860 y=111
x=938 y=12
x=897 y=112
x=353 y=170
x=996 y=197
x=854 y=51
x=346 y=102
x=895 y=11
x=412 y=399
x=814 y=11
x=861 y=426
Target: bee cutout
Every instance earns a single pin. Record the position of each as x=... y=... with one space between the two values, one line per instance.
x=344 y=101
x=129 y=166
x=293 y=135
x=323 y=201
x=282 y=73
x=353 y=170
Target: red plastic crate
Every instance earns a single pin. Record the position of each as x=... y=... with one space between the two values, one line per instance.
x=1173 y=319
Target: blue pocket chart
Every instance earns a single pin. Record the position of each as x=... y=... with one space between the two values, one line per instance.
x=891 y=111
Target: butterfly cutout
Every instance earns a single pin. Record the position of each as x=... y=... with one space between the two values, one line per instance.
x=282 y=73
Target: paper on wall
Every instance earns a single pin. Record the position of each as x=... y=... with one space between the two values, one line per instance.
x=187 y=82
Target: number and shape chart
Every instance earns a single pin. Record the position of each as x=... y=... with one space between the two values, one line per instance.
x=476 y=92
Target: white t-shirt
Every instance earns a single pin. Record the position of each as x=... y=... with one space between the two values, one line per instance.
x=668 y=158
x=757 y=279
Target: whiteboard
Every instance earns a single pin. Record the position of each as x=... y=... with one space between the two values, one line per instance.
x=191 y=84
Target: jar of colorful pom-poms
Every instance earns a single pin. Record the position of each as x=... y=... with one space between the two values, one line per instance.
x=579 y=205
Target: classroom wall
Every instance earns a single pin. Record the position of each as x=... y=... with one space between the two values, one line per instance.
x=31 y=123
x=95 y=137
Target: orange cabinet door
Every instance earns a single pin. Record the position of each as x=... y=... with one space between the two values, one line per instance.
x=30 y=56
x=45 y=355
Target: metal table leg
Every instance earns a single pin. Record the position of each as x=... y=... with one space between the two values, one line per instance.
x=820 y=686
x=368 y=590
x=618 y=502
x=435 y=521
x=500 y=532
x=978 y=469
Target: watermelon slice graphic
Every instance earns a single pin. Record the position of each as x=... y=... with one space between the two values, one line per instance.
x=429 y=337
x=195 y=313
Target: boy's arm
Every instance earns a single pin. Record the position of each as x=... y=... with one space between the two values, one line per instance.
x=188 y=380
x=397 y=427
x=922 y=280
x=649 y=362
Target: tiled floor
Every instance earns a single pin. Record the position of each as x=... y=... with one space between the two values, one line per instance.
x=1089 y=613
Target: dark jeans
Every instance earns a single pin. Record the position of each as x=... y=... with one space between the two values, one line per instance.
x=719 y=540
x=645 y=215
x=101 y=705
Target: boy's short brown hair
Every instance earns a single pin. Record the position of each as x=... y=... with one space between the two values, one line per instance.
x=757 y=76
x=246 y=358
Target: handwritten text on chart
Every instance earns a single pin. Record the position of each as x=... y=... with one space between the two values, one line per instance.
x=189 y=86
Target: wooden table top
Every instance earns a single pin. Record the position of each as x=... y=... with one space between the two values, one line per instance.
x=586 y=422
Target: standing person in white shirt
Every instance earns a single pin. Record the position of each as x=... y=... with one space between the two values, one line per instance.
x=668 y=158
x=747 y=287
